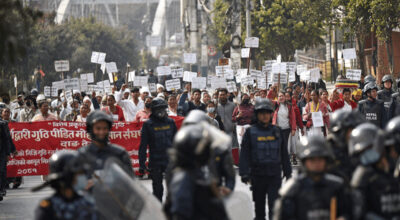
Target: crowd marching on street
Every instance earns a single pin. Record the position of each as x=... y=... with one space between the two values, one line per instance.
x=305 y=152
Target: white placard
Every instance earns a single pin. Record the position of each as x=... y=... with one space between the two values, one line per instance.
x=199 y=82
x=281 y=76
x=221 y=70
x=61 y=65
x=247 y=81
x=164 y=70
x=252 y=42
x=177 y=73
x=106 y=84
x=245 y=53
x=71 y=84
x=255 y=73
x=131 y=76
x=152 y=87
x=240 y=74
x=314 y=75
x=68 y=94
x=261 y=83
x=270 y=62
x=279 y=68
x=103 y=68
x=349 y=54
x=301 y=69
x=290 y=67
x=292 y=77
x=83 y=76
x=353 y=74
x=111 y=77
x=84 y=85
x=90 y=77
x=153 y=41
x=231 y=86
x=47 y=91
x=54 y=92
x=229 y=74
x=15 y=82
x=58 y=84
x=188 y=76
x=173 y=84
x=140 y=81
x=305 y=76
x=317 y=119
x=111 y=67
x=98 y=57
x=218 y=83
x=189 y=58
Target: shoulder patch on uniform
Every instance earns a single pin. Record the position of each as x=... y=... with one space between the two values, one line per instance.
x=44 y=203
x=334 y=178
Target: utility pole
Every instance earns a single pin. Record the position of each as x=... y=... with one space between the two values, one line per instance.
x=193 y=29
x=248 y=28
x=204 y=44
x=236 y=33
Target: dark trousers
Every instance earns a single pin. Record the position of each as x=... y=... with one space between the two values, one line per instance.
x=156 y=176
x=261 y=187
x=3 y=173
x=285 y=134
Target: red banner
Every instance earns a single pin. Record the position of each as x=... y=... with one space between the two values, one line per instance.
x=37 y=141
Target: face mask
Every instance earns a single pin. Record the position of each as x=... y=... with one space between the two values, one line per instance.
x=147 y=105
x=81 y=183
x=210 y=110
x=246 y=101
x=21 y=103
x=28 y=104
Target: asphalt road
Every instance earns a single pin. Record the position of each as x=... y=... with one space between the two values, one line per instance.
x=20 y=204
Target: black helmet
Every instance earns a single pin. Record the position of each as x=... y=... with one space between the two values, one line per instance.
x=263 y=104
x=314 y=146
x=158 y=103
x=387 y=78
x=342 y=120
x=393 y=132
x=369 y=79
x=362 y=138
x=370 y=86
x=95 y=117
x=34 y=92
x=191 y=146
x=63 y=165
x=196 y=116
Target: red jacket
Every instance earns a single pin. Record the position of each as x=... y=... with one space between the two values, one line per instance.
x=292 y=116
x=340 y=103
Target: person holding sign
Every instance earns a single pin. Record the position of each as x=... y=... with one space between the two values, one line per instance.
x=346 y=103
x=317 y=116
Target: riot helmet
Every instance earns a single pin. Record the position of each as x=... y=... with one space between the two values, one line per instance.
x=387 y=78
x=342 y=120
x=196 y=116
x=263 y=105
x=159 y=108
x=393 y=133
x=95 y=117
x=34 y=92
x=369 y=79
x=364 y=143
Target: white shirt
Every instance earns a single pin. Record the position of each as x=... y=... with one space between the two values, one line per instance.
x=347 y=107
x=128 y=106
x=283 y=117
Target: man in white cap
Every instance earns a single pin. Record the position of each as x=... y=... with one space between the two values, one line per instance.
x=130 y=107
x=144 y=92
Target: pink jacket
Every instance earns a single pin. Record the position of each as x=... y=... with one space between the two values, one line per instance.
x=292 y=116
x=323 y=108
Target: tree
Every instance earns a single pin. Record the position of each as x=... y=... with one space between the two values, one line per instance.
x=354 y=17
x=385 y=16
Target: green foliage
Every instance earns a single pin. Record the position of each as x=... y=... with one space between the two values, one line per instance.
x=217 y=29
x=385 y=16
x=74 y=41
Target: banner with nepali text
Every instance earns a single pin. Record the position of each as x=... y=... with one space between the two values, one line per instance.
x=37 y=141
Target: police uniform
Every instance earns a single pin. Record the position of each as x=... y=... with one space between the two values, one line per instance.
x=263 y=157
x=157 y=133
x=192 y=194
x=58 y=208
x=395 y=108
x=385 y=95
x=304 y=199
x=6 y=148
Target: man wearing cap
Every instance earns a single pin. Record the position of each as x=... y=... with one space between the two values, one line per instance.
x=144 y=92
x=130 y=107
x=29 y=110
x=17 y=105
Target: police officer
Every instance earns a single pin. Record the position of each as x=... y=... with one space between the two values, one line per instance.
x=262 y=158
x=313 y=194
x=341 y=125
x=98 y=126
x=396 y=101
x=191 y=193
x=373 y=110
x=221 y=166
x=68 y=177
x=7 y=149
x=385 y=95
x=157 y=133
x=392 y=143
x=376 y=192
